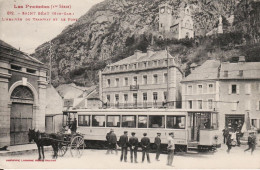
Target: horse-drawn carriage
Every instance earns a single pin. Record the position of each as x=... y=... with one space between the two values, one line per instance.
x=61 y=142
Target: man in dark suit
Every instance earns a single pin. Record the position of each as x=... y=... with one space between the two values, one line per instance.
x=157 y=142
x=145 y=143
x=133 y=144
x=123 y=143
x=112 y=141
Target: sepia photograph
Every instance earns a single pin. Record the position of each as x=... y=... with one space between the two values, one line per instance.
x=129 y=84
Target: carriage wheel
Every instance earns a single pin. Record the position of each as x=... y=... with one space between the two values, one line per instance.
x=62 y=150
x=77 y=146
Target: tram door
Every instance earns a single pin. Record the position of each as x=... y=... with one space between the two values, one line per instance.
x=194 y=126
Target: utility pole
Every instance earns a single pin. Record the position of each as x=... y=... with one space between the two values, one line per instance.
x=50 y=56
x=167 y=99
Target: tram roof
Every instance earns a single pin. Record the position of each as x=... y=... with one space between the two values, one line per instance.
x=142 y=110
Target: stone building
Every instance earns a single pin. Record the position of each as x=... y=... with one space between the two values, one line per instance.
x=180 y=26
x=140 y=81
x=22 y=95
x=232 y=89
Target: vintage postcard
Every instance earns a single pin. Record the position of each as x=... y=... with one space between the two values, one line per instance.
x=129 y=84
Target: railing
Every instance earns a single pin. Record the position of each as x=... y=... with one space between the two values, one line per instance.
x=134 y=87
x=140 y=105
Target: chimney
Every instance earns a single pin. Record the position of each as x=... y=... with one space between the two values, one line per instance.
x=242 y=59
x=138 y=54
x=150 y=51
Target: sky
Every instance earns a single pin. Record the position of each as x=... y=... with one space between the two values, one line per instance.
x=28 y=35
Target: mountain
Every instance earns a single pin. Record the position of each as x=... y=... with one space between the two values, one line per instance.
x=113 y=29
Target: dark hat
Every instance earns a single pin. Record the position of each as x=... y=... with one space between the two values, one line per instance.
x=125 y=131
x=133 y=133
x=145 y=134
x=158 y=133
x=171 y=133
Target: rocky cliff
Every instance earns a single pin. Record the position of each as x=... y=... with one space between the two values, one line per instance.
x=113 y=29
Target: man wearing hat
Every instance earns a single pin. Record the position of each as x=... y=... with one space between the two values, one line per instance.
x=157 y=142
x=251 y=142
x=170 y=149
x=112 y=141
x=133 y=144
x=123 y=143
x=145 y=143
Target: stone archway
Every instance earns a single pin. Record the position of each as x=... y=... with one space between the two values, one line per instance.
x=21 y=117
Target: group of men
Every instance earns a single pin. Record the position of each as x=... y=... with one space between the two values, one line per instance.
x=133 y=145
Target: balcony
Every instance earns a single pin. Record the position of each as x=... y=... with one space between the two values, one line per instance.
x=134 y=87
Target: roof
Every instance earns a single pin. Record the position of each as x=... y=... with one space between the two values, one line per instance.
x=251 y=70
x=11 y=51
x=156 y=55
x=207 y=71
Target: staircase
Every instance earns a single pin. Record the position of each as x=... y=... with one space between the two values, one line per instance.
x=192 y=147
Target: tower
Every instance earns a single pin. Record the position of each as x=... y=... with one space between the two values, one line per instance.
x=186 y=23
x=165 y=18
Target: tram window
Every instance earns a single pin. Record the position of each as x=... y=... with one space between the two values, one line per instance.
x=83 y=120
x=176 y=122
x=98 y=121
x=129 y=121
x=113 y=121
x=156 y=121
x=205 y=121
x=142 y=121
x=214 y=121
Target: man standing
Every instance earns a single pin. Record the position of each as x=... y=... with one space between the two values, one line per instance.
x=145 y=143
x=251 y=142
x=108 y=141
x=112 y=141
x=73 y=127
x=170 y=149
x=157 y=142
x=123 y=143
x=133 y=144
x=229 y=143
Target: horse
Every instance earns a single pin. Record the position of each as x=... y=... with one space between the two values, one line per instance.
x=44 y=139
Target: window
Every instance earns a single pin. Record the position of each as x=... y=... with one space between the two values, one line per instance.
x=189 y=90
x=15 y=67
x=234 y=89
x=145 y=65
x=117 y=100
x=210 y=88
x=190 y=104
x=31 y=71
x=248 y=105
x=113 y=121
x=156 y=122
x=129 y=121
x=225 y=73
x=248 y=88
x=145 y=79
x=125 y=67
x=126 y=81
x=175 y=122
x=258 y=105
x=98 y=121
x=145 y=99
x=154 y=63
x=142 y=121
x=200 y=89
x=254 y=122
x=135 y=81
x=108 y=99
x=234 y=105
x=126 y=98
x=165 y=96
x=135 y=99
x=117 y=82
x=240 y=73
x=210 y=103
x=134 y=66
x=83 y=120
x=108 y=83
x=155 y=79
x=155 y=96
x=165 y=78
x=199 y=104
x=205 y=122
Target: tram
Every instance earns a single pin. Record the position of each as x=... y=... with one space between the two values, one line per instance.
x=193 y=129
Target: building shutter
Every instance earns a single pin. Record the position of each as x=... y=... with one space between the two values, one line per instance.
x=237 y=89
x=257 y=105
x=229 y=89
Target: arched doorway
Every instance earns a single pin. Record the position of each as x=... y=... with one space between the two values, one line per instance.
x=21 y=114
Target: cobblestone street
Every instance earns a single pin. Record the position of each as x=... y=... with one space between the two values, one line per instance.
x=98 y=159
